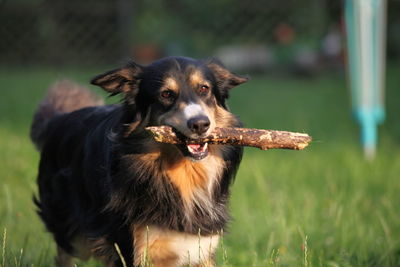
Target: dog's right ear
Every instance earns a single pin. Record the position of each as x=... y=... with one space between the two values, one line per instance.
x=120 y=80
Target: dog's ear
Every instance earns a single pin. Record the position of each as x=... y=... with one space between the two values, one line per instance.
x=225 y=79
x=120 y=80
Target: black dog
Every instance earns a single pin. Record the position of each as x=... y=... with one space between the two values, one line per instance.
x=105 y=184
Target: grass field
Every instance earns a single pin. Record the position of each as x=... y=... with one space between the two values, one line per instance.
x=325 y=206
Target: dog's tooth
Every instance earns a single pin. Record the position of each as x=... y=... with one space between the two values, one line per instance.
x=191 y=150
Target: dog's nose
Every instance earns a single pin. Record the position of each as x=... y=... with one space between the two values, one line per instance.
x=199 y=125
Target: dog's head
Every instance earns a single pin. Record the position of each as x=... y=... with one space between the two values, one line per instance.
x=184 y=93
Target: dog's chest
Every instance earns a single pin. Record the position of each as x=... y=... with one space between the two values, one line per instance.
x=195 y=179
x=163 y=247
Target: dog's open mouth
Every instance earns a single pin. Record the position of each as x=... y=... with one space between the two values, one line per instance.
x=192 y=148
x=198 y=151
x=195 y=151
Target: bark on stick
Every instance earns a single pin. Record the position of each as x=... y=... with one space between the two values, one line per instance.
x=263 y=139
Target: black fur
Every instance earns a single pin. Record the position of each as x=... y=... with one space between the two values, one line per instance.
x=91 y=181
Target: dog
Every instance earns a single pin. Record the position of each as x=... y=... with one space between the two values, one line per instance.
x=108 y=190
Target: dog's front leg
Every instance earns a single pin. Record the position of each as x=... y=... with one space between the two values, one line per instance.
x=63 y=259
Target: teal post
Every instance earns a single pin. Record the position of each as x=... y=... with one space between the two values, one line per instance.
x=366 y=42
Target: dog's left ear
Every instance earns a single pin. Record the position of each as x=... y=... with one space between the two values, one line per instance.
x=120 y=80
x=226 y=80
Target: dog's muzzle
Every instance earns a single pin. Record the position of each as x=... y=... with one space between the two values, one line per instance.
x=191 y=123
x=199 y=125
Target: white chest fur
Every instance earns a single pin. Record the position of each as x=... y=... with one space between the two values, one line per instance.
x=171 y=248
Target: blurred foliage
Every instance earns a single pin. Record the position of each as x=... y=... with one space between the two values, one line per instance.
x=200 y=26
x=92 y=32
x=58 y=32
x=96 y=31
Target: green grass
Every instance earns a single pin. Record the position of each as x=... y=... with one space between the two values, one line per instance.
x=325 y=206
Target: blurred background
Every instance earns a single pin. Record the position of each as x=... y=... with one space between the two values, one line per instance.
x=263 y=36
x=254 y=36
x=324 y=206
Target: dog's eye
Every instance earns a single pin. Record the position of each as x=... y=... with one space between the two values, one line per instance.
x=204 y=89
x=167 y=94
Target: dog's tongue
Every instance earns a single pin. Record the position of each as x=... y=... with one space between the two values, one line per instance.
x=194 y=146
x=197 y=148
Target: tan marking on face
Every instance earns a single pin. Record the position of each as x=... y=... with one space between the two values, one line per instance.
x=197 y=78
x=168 y=248
x=171 y=84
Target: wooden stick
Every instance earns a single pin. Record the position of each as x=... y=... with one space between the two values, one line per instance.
x=263 y=139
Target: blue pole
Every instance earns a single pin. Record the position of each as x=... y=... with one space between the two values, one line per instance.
x=365 y=26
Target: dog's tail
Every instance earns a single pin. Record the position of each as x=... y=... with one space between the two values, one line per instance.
x=62 y=97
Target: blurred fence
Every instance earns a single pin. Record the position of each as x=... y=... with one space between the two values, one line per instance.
x=60 y=32
x=91 y=32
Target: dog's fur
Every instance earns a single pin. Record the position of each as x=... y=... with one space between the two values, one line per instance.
x=105 y=183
